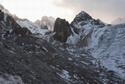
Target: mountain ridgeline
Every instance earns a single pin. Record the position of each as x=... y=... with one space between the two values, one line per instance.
x=87 y=51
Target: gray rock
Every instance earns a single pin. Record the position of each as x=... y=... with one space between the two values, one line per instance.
x=62 y=30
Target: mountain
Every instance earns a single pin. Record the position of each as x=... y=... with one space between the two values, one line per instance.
x=119 y=21
x=42 y=26
x=82 y=26
x=46 y=22
x=31 y=26
x=104 y=42
x=27 y=58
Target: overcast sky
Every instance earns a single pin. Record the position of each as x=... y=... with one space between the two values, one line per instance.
x=106 y=10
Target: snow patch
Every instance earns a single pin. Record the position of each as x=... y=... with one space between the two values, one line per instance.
x=65 y=75
x=9 y=79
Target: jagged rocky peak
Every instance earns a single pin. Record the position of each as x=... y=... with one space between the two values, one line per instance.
x=62 y=30
x=9 y=27
x=83 y=20
x=82 y=16
x=46 y=22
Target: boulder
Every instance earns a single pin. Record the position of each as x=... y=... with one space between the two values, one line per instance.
x=62 y=30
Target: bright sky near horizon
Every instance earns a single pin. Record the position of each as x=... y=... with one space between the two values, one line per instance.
x=106 y=10
x=35 y=9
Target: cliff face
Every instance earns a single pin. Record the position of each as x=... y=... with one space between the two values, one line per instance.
x=62 y=30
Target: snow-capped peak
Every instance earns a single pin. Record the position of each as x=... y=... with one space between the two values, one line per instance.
x=104 y=42
x=83 y=16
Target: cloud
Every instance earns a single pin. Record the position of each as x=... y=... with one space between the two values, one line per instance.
x=1 y=1
x=104 y=9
